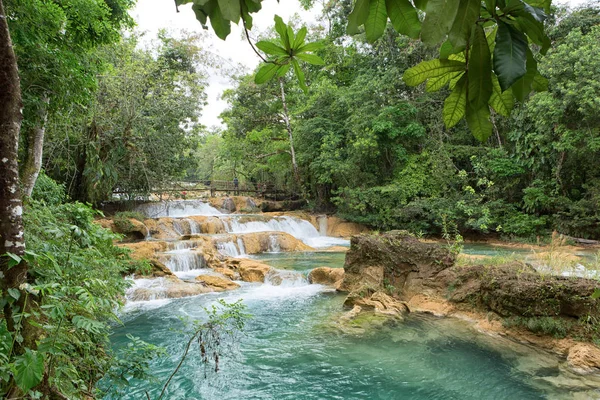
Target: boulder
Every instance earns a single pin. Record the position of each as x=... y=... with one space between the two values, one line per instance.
x=159 y=269
x=251 y=204
x=228 y=205
x=253 y=271
x=260 y=242
x=326 y=276
x=167 y=288
x=228 y=272
x=217 y=283
x=337 y=227
x=584 y=358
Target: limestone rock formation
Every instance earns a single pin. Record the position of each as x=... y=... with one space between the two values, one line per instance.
x=584 y=358
x=252 y=271
x=217 y=283
x=228 y=205
x=326 y=276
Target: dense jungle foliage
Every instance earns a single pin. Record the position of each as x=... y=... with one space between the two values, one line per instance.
x=377 y=152
x=118 y=111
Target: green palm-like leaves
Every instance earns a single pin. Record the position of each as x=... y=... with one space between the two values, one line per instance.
x=284 y=53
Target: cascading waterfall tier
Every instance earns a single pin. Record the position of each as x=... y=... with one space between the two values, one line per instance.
x=183 y=260
x=177 y=209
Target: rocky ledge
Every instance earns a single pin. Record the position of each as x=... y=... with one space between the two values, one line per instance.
x=394 y=273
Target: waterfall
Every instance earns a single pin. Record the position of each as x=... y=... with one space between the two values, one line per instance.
x=147 y=290
x=194 y=226
x=298 y=228
x=184 y=260
x=230 y=249
x=274 y=246
x=277 y=277
x=177 y=209
x=322 y=221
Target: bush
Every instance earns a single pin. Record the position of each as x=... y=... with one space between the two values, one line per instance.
x=48 y=191
x=554 y=326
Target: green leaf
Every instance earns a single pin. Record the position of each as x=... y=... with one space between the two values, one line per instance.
x=420 y=4
x=200 y=15
x=478 y=120
x=310 y=58
x=300 y=75
x=439 y=17
x=533 y=29
x=540 y=83
x=466 y=16
x=281 y=29
x=29 y=369
x=358 y=16
x=13 y=260
x=543 y=4
x=446 y=50
x=271 y=48
x=312 y=46
x=299 y=41
x=220 y=25
x=596 y=294
x=501 y=101
x=430 y=69
x=230 y=9
x=510 y=55
x=480 y=71
x=376 y=21
x=455 y=104
x=265 y=73
x=282 y=70
x=537 y=13
x=435 y=84
x=522 y=87
x=14 y=293
x=404 y=17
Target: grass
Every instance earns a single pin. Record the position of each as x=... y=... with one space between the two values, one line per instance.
x=553 y=326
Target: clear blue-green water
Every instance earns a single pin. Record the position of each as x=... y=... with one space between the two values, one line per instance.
x=293 y=348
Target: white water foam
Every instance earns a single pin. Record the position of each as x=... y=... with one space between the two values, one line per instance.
x=177 y=209
x=183 y=260
x=231 y=249
x=299 y=228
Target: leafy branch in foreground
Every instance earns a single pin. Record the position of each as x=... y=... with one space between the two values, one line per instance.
x=491 y=77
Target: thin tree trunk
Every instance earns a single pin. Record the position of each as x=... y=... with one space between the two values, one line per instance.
x=35 y=146
x=286 y=118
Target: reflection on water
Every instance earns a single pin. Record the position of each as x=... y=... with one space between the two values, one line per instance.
x=293 y=349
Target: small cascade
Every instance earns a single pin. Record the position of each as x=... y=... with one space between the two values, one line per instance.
x=277 y=277
x=179 y=227
x=194 y=226
x=147 y=290
x=241 y=246
x=274 y=246
x=184 y=260
x=177 y=209
x=322 y=221
x=232 y=249
x=182 y=245
x=296 y=227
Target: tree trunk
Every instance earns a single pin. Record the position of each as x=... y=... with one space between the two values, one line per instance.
x=286 y=118
x=35 y=146
x=11 y=207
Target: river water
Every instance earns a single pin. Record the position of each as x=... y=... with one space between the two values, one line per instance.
x=294 y=348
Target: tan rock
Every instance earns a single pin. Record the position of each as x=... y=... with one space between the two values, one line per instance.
x=217 y=283
x=228 y=272
x=339 y=228
x=146 y=250
x=168 y=288
x=425 y=304
x=326 y=275
x=584 y=358
x=253 y=271
x=337 y=249
x=260 y=242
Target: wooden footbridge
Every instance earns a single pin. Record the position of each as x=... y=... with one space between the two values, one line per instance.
x=259 y=189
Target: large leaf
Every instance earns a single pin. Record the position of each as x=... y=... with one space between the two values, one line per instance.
x=540 y=83
x=455 y=104
x=271 y=48
x=281 y=29
x=431 y=69
x=420 y=4
x=439 y=18
x=467 y=14
x=300 y=75
x=435 y=84
x=376 y=21
x=404 y=17
x=265 y=73
x=299 y=41
x=282 y=70
x=480 y=70
x=230 y=9
x=501 y=101
x=522 y=87
x=29 y=368
x=534 y=29
x=478 y=120
x=358 y=16
x=510 y=55
x=312 y=46
x=310 y=58
x=220 y=25
x=447 y=49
